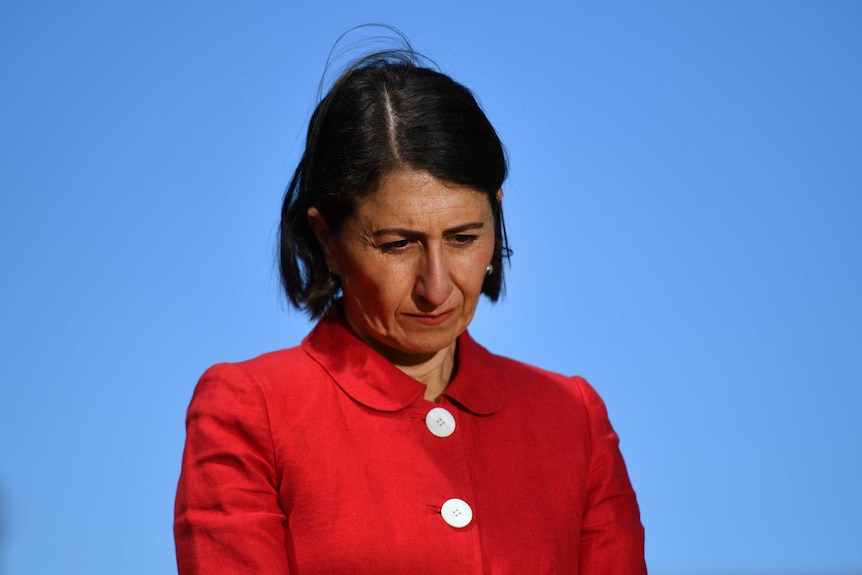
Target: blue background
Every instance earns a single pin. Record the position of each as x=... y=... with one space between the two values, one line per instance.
x=685 y=206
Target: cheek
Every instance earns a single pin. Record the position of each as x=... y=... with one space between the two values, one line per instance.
x=375 y=284
x=474 y=270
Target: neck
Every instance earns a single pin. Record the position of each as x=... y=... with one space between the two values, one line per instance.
x=435 y=372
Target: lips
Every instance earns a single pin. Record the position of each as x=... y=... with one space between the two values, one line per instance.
x=431 y=318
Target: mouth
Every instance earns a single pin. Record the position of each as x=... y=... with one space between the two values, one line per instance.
x=431 y=318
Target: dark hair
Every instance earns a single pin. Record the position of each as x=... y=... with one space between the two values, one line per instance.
x=386 y=113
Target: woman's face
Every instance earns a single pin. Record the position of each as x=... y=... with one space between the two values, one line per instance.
x=412 y=259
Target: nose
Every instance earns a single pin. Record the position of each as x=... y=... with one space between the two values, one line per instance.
x=434 y=280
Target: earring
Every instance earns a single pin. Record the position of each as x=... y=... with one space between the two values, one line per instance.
x=489 y=270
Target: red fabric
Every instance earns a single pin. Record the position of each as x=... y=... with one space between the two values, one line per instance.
x=317 y=460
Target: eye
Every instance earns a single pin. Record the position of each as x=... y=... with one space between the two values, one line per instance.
x=464 y=239
x=392 y=247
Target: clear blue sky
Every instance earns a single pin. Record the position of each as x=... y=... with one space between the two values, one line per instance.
x=685 y=206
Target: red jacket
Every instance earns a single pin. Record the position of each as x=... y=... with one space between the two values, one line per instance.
x=321 y=459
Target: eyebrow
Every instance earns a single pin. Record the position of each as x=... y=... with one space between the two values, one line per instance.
x=413 y=233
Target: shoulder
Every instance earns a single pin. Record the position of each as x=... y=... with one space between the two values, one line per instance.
x=265 y=363
x=551 y=386
x=522 y=381
x=257 y=380
x=564 y=403
x=266 y=369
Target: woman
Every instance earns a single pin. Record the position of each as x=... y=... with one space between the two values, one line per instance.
x=390 y=441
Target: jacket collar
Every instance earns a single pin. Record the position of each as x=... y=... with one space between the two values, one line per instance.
x=371 y=380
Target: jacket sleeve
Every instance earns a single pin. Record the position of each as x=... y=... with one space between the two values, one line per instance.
x=612 y=537
x=227 y=517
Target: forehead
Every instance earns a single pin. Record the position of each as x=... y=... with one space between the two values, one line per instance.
x=418 y=197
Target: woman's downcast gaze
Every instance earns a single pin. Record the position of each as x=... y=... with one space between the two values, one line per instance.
x=390 y=441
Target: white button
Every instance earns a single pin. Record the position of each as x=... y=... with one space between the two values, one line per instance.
x=457 y=513
x=440 y=422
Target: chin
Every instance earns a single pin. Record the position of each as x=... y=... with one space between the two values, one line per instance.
x=426 y=343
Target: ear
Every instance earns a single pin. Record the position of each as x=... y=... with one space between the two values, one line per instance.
x=325 y=237
x=499 y=195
